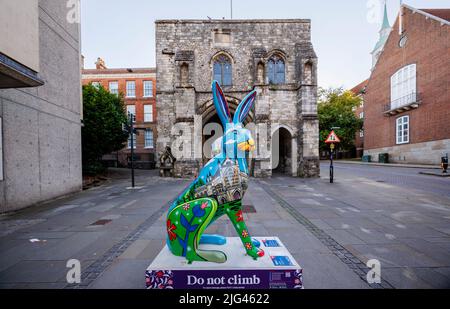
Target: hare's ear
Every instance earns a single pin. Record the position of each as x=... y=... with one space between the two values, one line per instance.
x=221 y=104
x=244 y=107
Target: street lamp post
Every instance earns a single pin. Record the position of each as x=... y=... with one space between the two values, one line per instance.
x=132 y=131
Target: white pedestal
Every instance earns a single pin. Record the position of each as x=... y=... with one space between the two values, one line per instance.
x=277 y=269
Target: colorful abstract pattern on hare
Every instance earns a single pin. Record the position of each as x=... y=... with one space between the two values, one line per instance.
x=217 y=191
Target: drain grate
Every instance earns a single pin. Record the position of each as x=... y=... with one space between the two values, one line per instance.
x=101 y=222
x=250 y=209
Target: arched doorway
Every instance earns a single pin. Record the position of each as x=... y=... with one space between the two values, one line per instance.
x=212 y=130
x=282 y=152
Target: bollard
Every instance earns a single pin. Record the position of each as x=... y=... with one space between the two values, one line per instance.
x=444 y=164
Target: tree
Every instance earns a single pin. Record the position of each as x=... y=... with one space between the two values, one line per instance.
x=104 y=114
x=335 y=109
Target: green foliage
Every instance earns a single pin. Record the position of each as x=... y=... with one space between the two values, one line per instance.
x=104 y=114
x=335 y=110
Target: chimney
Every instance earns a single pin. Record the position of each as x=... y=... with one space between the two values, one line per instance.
x=82 y=62
x=100 y=64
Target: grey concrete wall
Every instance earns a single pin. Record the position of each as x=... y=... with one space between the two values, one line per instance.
x=41 y=126
x=23 y=19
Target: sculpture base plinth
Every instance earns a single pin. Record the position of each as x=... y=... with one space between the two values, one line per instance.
x=277 y=269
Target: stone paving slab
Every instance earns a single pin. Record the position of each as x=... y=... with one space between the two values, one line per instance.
x=35 y=272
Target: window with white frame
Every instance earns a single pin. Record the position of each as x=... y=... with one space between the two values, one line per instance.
x=114 y=87
x=361 y=115
x=134 y=141
x=402 y=130
x=131 y=109
x=148 y=138
x=361 y=133
x=403 y=86
x=148 y=113
x=148 y=88
x=131 y=89
x=96 y=84
x=1 y=150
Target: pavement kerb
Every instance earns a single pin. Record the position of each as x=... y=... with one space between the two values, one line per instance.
x=388 y=164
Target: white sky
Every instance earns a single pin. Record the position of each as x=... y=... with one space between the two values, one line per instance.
x=343 y=31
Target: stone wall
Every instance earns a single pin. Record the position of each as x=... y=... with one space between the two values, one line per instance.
x=185 y=53
x=41 y=126
x=420 y=153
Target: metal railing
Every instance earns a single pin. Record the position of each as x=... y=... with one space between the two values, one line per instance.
x=402 y=102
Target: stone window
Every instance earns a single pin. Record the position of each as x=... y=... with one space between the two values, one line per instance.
x=96 y=85
x=184 y=74
x=402 y=130
x=148 y=138
x=223 y=70
x=276 y=70
x=307 y=74
x=260 y=73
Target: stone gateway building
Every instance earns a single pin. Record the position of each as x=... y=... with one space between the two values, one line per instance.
x=275 y=57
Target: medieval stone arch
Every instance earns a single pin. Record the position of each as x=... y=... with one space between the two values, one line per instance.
x=284 y=149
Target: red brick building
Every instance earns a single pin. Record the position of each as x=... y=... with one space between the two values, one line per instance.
x=407 y=98
x=138 y=88
x=359 y=90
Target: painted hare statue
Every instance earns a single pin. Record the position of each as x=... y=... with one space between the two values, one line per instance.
x=218 y=191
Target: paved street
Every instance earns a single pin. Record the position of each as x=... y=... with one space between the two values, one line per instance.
x=390 y=214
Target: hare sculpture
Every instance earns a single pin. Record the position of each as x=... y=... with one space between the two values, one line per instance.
x=217 y=191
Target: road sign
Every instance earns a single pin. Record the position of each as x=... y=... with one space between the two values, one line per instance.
x=332 y=138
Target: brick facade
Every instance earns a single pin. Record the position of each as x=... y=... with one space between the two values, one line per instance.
x=428 y=46
x=185 y=54
x=144 y=156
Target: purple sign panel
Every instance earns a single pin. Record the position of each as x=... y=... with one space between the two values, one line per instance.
x=224 y=279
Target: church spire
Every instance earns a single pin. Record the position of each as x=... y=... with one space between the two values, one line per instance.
x=385 y=24
x=384 y=34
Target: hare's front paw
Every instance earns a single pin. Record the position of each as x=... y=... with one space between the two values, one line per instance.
x=255 y=253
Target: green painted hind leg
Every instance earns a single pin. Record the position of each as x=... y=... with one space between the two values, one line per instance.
x=234 y=212
x=185 y=226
